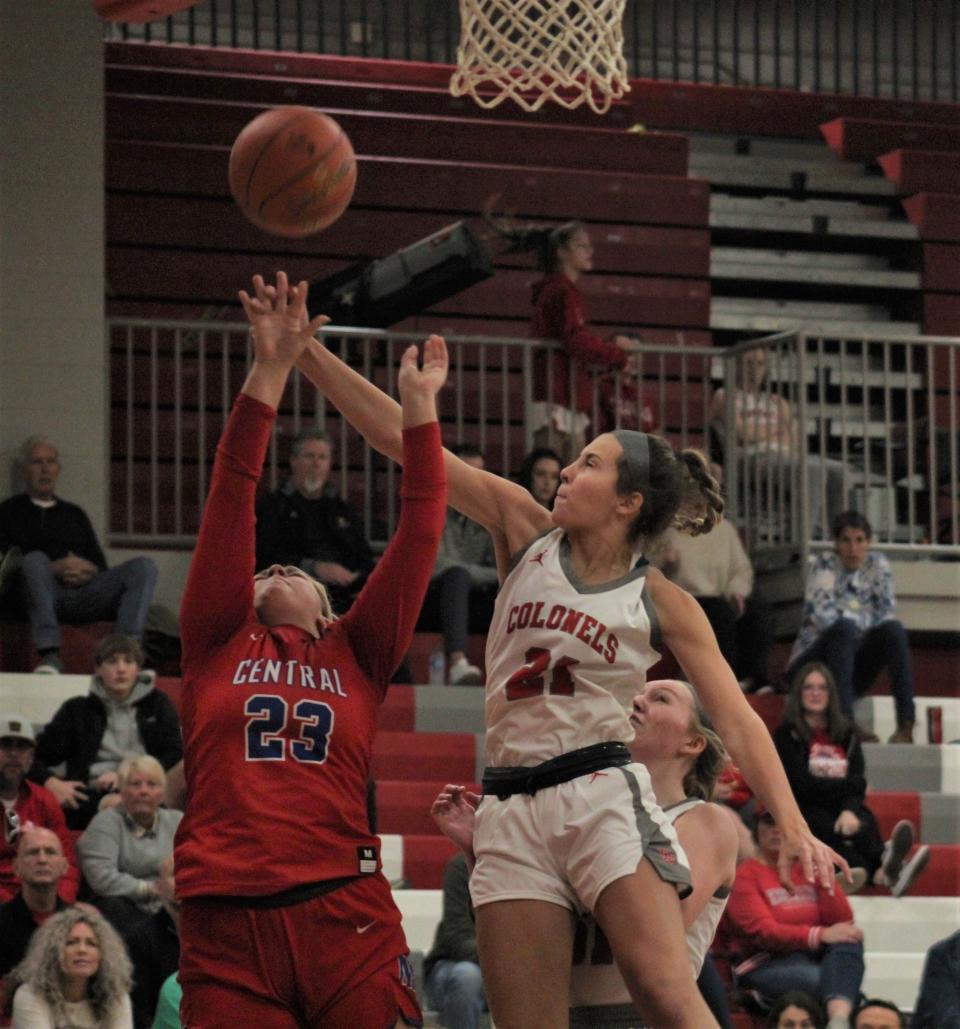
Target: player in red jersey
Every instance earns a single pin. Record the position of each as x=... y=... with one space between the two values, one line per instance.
x=287 y=919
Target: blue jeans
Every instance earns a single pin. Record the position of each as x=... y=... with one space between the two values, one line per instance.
x=835 y=972
x=856 y=659
x=455 y=989
x=122 y=593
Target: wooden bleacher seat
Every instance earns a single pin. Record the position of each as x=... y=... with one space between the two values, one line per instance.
x=864 y=139
x=213 y=122
x=917 y=171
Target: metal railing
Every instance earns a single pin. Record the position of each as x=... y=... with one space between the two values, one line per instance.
x=871 y=423
x=889 y=48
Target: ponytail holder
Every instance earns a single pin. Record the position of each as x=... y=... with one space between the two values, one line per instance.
x=636 y=452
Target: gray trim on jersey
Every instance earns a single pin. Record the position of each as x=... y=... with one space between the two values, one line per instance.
x=656 y=636
x=638 y=571
x=518 y=556
x=656 y=846
x=674 y=811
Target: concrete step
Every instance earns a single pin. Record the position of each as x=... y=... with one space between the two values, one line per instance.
x=753 y=264
x=759 y=146
x=787 y=176
x=892 y=925
x=846 y=210
x=847 y=228
x=775 y=165
x=832 y=321
x=923 y=767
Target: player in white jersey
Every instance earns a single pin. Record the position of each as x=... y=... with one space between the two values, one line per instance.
x=624 y=488
x=684 y=756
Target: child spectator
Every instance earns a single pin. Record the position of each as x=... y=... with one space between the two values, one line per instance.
x=123 y=715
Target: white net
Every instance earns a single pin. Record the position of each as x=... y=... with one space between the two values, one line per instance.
x=568 y=51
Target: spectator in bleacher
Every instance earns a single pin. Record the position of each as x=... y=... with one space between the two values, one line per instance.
x=795 y=1010
x=768 y=439
x=806 y=940
x=24 y=805
x=39 y=865
x=539 y=475
x=123 y=715
x=76 y=974
x=849 y=623
x=123 y=847
x=562 y=410
x=154 y=948
x=823 y=758
x=464 y=584
x=307 y=524
x=883 y=1014
x=452 y=979
x=716 y=570
x=168 y=1004
x=938 y=1002
x=63 y=572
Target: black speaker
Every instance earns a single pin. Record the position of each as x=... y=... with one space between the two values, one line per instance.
x=382 y=292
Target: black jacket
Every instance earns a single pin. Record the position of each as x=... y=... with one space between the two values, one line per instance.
x=16 y=928
x=58 y=531
x=812 y=791
x=74 y=733
x=292 y=530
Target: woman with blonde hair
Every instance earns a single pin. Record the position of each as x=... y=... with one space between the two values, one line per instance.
x=76 y=975
x=124 y=846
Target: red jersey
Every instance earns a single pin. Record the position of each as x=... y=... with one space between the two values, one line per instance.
x=37 y=806
x=279 y=726
x=762 y=916
x=558 y=314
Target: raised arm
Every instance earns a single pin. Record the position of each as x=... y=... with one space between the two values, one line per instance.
x=687 y=633
x=512 y=517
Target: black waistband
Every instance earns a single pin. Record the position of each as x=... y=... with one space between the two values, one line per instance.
x=283 y=899
x=504 y=782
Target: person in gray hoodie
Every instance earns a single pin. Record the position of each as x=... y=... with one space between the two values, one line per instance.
x=123 y=715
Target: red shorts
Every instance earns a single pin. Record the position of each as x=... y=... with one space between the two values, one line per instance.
x=336 y=961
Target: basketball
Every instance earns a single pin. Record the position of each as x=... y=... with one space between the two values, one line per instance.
x=292 y=171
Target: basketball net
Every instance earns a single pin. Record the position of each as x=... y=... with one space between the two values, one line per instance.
x=568 y=51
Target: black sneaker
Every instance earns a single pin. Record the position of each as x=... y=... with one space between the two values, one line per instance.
x=910 y=871
x=895 y=850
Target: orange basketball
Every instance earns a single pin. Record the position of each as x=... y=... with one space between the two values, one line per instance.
x=292 y=171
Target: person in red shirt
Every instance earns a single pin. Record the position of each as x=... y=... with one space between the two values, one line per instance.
x=24 y=805
x=801 y=940
x=287 y=919
x=562 y=409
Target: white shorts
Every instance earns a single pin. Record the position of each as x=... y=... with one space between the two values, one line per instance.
x=566 y=843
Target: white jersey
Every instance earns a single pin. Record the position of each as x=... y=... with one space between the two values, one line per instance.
x=564 y=660
x=595 y=979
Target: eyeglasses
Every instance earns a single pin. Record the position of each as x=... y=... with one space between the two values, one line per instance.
x=12 y=826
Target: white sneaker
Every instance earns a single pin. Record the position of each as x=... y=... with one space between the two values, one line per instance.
x=910 y=871
x=895 y=850
x=859 y=880
x=45 y=668
x=462 y=673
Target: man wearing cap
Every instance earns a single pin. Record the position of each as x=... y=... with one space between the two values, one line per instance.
x=26 y=806
x=40 y=865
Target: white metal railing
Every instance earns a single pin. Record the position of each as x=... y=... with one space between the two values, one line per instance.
x=873 y=424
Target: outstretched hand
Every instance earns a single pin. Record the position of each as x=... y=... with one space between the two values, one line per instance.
x=279 y=320
x=817 y=860
x=454 y=811
x=428 y=378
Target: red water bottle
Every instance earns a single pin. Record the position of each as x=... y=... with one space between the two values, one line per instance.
x=935 y=724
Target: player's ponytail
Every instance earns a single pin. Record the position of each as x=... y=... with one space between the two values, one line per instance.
x=701 y=780
x=701 y=504
x=545 y=242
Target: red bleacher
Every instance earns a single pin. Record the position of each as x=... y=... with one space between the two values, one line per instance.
x=936 y=215
x=916 y=171
x=865 y=139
